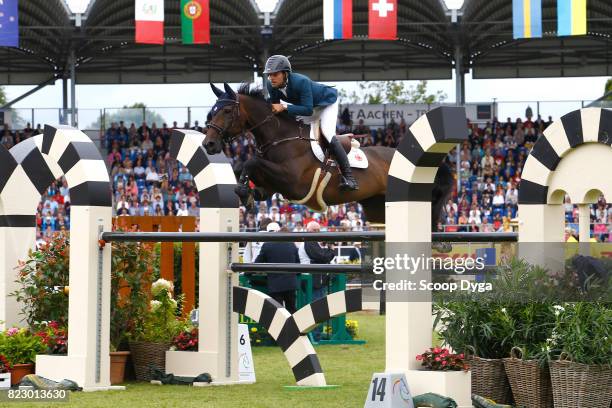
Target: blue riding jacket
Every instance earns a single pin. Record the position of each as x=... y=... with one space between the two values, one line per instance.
x=303 y=93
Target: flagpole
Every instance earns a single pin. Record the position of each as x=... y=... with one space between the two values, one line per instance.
x=72 y=62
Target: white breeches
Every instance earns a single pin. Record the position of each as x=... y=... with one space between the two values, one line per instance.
x=328 y=116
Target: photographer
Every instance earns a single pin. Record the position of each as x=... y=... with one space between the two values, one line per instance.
x=314 y=253
x=281 y=286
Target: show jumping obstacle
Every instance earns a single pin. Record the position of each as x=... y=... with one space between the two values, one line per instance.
x=555 y=166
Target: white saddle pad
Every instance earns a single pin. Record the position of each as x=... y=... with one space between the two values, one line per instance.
x=356 y=156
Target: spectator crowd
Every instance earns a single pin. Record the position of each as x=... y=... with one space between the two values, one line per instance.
x=147 y=181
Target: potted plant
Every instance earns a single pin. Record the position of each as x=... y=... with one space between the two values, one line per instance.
x=153 y=335
x=474 y=326
x=129 y=277
x=527 y=368
x=5 y=373
x=446 y=373
x=20 y=348
x=582 y=374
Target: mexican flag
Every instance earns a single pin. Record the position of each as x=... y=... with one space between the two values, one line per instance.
x=149 y=21
x=195 y=21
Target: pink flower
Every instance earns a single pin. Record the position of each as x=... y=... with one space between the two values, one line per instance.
x=419 y=357
x=437 y=350
x=54 y=325
x=444 y=363
x=12 y=331
x=437 y=358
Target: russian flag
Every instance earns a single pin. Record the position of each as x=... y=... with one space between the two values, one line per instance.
x=337 y=19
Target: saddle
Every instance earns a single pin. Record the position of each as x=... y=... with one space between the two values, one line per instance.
x=320 y=147
x=345 y=140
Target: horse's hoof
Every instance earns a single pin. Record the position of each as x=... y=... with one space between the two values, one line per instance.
x=241 y=190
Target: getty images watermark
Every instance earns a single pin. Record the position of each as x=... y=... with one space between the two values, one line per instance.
x=419 y=265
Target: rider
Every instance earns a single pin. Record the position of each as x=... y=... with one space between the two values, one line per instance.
x=310 y=101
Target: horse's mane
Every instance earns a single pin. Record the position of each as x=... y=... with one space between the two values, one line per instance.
x=257 y=92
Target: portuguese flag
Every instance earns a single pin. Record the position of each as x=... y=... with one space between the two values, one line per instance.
x=195 y=21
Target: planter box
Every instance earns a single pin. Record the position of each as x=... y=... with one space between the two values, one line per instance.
x=5 y=381
x=454 y=384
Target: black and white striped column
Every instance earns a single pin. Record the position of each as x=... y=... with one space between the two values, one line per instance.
x=36 y=162
x=290 y=331
x=408 y=222
x=214 y=178
x=574 y=156
x=24 y=176
x=88 y=360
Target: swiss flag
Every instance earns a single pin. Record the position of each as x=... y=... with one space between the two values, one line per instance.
x=382 y=19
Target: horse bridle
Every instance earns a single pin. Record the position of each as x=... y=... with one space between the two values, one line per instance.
x=223 y=131
x=235 y=115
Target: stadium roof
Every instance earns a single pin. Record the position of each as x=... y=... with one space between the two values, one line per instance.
x=241 y=38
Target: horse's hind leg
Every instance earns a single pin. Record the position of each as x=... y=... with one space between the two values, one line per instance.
x=374 y=208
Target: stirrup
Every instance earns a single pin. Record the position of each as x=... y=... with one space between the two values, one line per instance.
x=347 y=184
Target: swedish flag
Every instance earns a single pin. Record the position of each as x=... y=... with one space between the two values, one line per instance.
x=571 y=17
x=527 y=18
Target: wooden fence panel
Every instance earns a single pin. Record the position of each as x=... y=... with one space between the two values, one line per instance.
x=170 y=224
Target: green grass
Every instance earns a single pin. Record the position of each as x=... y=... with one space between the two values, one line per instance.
x=351 y=367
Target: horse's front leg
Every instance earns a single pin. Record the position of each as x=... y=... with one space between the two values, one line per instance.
x=242 y=189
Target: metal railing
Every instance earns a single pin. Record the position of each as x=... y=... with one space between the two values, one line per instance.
x=94 y=119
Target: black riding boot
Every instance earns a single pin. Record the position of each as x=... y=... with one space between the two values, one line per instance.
x=347 y=181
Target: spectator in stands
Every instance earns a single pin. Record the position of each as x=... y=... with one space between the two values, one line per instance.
x=182 y=211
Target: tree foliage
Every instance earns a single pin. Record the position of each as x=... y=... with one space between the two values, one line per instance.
x=397 y=92
x=2 y=96
x=608 y=89
x=135 y=113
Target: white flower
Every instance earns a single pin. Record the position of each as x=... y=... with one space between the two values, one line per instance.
x=155 y=304
x=504 y=310
x=173 y=303
x=558 y=309
x=161 y=284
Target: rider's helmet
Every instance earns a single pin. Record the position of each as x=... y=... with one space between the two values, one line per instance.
x=277 y=63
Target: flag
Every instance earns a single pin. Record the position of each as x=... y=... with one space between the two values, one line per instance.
x=9 y=23
x=195 y=21
x=527 y=18
x=337 y=19
x=571 y=17
x=382 y=19
x=150 y=21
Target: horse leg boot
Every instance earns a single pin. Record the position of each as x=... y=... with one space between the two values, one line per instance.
x=347 y=181
x=242 y=189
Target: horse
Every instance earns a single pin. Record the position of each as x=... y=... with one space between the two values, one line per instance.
x=285 y=163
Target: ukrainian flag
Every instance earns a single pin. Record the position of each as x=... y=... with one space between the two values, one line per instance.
x=527 y=18
x=571 y=17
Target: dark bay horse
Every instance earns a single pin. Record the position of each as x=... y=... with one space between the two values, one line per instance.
x=285 y=163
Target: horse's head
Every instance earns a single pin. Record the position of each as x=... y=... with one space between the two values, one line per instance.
x=224 y=122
